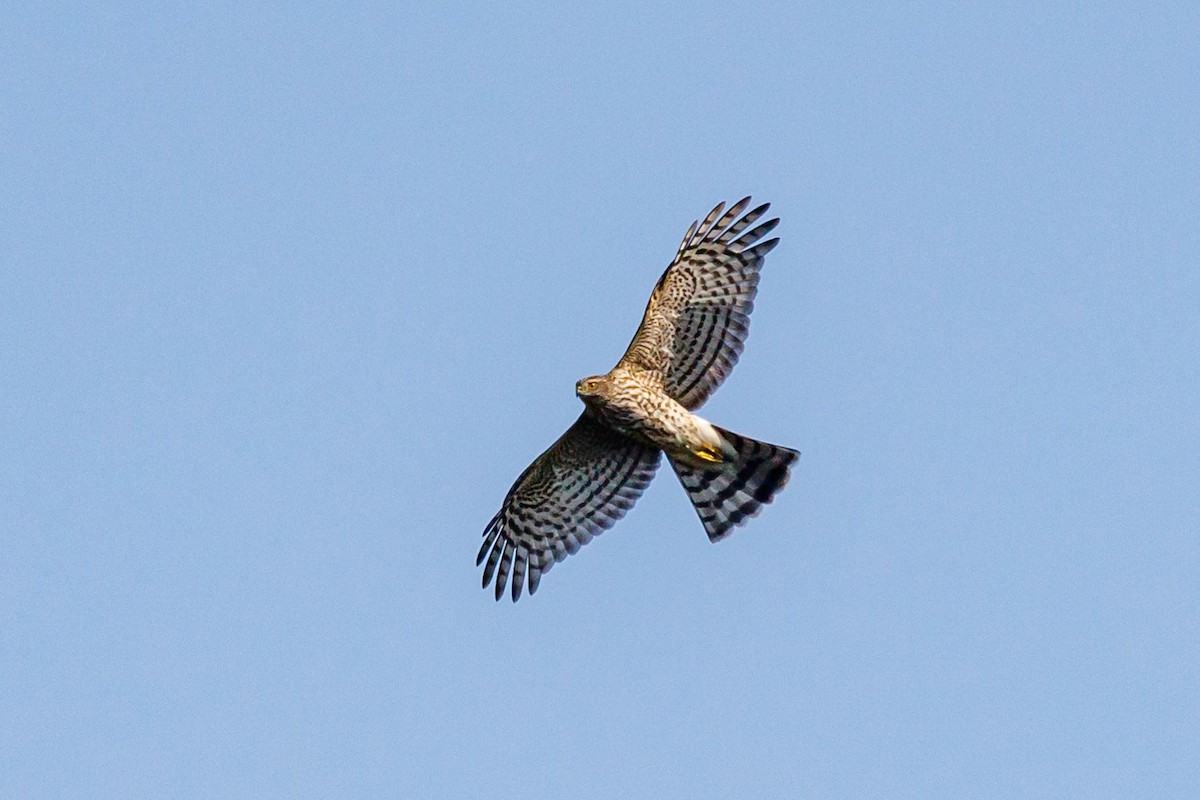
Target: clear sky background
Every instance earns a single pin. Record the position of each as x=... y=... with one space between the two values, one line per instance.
x=290 y=296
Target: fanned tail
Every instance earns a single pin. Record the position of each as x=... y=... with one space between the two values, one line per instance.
x=728 y=494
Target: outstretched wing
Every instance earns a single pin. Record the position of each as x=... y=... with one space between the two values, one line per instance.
x=698 y=316
x=578 y=488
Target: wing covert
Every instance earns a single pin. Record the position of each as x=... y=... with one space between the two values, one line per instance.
x=575 y=490
x=698 y=316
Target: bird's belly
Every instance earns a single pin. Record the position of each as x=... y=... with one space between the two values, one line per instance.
x=661 y=422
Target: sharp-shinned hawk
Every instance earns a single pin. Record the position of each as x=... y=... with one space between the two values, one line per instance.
x=691 y=335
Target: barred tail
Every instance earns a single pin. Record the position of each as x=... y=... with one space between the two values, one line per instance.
x=728 y=494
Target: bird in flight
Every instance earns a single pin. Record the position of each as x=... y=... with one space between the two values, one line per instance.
x=691 y=335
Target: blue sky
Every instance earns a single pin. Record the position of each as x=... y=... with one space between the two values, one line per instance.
x=292 y=295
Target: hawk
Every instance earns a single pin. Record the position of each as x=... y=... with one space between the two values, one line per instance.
x=691 y=335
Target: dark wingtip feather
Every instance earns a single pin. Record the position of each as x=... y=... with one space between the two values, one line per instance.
x=489 y=569
x=760 y=250
x=489 y=537
x=751 y=236
x=711 y=220
x=505 y=567
x=520 y=563
x=687 y=239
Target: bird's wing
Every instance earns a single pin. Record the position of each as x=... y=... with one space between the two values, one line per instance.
x=698 y=316
x=575 y=490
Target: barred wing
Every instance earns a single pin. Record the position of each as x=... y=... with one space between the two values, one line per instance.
x=577 y=489
x=698 y=316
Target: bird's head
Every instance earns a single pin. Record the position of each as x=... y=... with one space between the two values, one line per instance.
x=589 y=387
